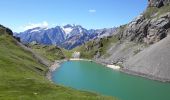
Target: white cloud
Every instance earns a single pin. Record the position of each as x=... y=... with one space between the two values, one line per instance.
x=44 y=24
x=92 y=11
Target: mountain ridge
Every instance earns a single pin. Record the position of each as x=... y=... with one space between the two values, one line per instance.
x=68 y=36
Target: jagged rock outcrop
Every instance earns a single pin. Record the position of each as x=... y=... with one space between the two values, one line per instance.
x=5 y=30
x=147 y=30
x=158 y=3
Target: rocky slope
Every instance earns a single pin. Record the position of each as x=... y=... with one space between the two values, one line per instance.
x=142 y=46
x=152 y=62
x=153 y=31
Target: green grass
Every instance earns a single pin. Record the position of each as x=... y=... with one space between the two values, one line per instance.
x=23 y=78
x=51 y=53
x=91 y=48
x=68 y=53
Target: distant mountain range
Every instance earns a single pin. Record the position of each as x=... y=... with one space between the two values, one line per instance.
x=68 y=36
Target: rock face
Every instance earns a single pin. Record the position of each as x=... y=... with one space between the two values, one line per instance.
x=147 y=30
x=158 y=3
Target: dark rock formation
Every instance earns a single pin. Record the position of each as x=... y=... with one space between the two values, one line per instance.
x=18 y=39
x=158 y=3
x=5 y=30
x=9 y=31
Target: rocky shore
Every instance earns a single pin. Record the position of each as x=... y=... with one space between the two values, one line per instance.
x=151 y=77
x=130 y=72
x=53 y=67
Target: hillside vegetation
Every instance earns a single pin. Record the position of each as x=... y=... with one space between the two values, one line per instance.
x=51 y=53
x=96 y=48
x=152 y=12
x=23 y=78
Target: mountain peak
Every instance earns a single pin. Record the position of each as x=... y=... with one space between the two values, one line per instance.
x=69 y=25
x=67 y=29
x=37 y=29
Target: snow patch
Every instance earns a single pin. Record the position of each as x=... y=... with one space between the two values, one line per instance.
x=67 y=30
x=44 y=24
x=35 y=31
x=39 y=29
x=80 y=29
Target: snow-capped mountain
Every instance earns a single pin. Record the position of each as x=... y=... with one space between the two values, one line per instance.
x=68 y=36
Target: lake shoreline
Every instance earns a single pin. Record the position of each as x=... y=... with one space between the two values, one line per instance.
x=130 y=72
x=79 y=74
x=53 y=67
x=57 y=63
x=114 y=67
x=150 y=77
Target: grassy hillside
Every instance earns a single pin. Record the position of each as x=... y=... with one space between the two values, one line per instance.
x=22 y=77
x=96 y=47
x=52 y=53
x=152 y=12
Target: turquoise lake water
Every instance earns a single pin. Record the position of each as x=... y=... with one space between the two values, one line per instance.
x=89 y=76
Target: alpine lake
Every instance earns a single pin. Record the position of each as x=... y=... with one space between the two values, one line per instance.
x=93 y=77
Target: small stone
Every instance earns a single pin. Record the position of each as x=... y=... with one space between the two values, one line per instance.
x=35 y=93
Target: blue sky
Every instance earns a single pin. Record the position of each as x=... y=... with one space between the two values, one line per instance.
x=20 y=15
